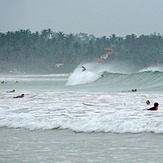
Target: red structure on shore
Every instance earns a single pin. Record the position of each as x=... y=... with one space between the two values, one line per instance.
x=108 y=51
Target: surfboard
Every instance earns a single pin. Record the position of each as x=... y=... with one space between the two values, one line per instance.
x=95 y=104
x=87 y=104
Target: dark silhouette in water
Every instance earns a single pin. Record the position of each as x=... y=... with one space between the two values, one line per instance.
x=83 y=68
x=11 y=91
x=155 y=107
x=20 y=96
x=148 y=102
x=3 y=82
x=133 y=90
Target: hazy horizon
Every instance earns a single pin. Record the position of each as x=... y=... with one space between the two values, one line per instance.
x=100 y=18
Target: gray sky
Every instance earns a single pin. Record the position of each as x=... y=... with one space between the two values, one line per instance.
x=97 y=17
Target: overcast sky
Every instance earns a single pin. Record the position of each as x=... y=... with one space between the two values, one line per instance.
x=97 y=17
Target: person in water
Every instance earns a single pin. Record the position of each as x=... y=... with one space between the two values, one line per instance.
x=20 y=96
x=83 y=68
x=155 y=107
x=3 y=82
x=11 y=91
x=148 y=102
x=133 y=90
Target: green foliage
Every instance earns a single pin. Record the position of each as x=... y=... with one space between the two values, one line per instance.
x=24 y=51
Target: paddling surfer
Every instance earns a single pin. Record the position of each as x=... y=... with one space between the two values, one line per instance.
x=11 y=91
x=20 y=96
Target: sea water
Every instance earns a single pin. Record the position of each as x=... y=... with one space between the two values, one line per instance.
x=80 y=117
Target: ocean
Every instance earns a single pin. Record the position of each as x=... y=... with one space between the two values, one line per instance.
x=85 y=116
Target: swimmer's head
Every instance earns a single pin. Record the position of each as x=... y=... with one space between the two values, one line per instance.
x=156 y=104
x=148 y=102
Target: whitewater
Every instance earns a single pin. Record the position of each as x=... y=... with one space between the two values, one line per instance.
x=93 y=105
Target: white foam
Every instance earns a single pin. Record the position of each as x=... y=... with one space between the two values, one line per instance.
x=95 y=70
x=152 y=68
x=91 y=74
x=118 y=112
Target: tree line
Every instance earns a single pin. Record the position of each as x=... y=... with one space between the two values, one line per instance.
x=27 y=51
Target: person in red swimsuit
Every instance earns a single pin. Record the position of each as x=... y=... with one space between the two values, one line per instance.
x=155 y=107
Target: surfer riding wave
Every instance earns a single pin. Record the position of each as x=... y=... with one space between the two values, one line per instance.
x=83 y=68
